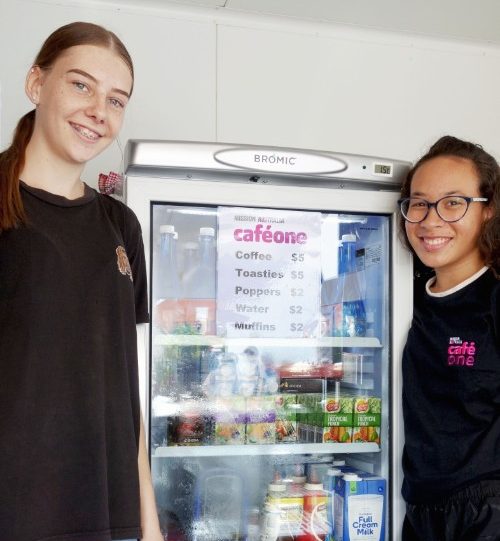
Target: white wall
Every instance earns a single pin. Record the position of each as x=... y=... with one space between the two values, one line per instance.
x=202 y=74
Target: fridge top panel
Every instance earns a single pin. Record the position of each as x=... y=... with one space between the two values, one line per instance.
x=261 y=164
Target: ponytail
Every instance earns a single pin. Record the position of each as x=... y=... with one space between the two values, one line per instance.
x=11 y=162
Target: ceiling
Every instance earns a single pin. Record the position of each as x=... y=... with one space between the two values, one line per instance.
x=469 y=20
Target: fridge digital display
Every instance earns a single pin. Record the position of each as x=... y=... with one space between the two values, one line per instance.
x=269 y=361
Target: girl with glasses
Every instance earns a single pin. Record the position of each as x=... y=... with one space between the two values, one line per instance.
x=73 y=460
x=450 y=220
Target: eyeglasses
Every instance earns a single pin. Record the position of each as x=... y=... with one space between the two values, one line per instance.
x=450 y=208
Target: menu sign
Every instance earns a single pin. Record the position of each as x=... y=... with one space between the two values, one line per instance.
x=269 y=273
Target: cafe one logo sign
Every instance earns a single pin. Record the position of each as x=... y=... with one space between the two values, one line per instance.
x=280 y=161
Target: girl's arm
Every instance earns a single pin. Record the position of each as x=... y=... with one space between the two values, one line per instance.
x=149 y=515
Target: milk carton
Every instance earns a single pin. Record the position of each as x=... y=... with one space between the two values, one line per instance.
x=359 y=508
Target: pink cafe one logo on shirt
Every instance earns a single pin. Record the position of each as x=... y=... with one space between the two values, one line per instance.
x=461 y=353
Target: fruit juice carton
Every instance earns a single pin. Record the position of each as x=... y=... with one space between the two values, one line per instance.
x=308 y=405
x=335 y=411
x=335 y=420
x=229 y=420
x=286 y=418
x=260 y=419
x=367 y=419
x=190 y=426
x=314 y=407
x=359 y=507
x=335 y=434
x=190 y=429
x=260 y=409
x=259 y=433
x=302 y=408
x=229 y=433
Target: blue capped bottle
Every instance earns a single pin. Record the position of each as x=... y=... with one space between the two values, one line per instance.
x=349 y=312
x=347 y=254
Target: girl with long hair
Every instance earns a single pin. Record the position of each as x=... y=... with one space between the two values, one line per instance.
x=73 y=459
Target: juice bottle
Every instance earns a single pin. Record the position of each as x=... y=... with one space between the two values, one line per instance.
x=314 y=522
x=282 y=513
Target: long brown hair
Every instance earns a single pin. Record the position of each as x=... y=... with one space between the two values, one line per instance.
x=488 y=172
x=12 y=159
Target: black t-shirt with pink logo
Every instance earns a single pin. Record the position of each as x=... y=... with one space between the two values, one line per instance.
x=72 y=288
x=451 y=389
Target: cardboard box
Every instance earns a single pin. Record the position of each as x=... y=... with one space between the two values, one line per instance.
x=359 y=508
x=367 y=419
x=286 y=418
x=229 y=420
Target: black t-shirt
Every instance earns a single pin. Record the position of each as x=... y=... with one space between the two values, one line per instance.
x=451 y=390
x=72 y=288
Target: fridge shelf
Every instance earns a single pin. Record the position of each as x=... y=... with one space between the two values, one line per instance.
x=258 y=450
x=219 y=341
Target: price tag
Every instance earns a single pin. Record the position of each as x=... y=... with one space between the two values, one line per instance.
x=269 y=273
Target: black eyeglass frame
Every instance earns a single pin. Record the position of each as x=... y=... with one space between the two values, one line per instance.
x=434 y=204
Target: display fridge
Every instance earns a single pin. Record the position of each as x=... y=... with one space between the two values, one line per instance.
x=280 y=297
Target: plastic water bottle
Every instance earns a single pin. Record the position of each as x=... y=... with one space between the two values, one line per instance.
x=199 y=285
x=314 y=522
x=349 y=314
x=189 y=261
x=347 y=253
x=207 y=268
x=166 y=283
x=167 y=278
x=199 y=281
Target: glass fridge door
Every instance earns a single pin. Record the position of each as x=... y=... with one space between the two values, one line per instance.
x=269 y=373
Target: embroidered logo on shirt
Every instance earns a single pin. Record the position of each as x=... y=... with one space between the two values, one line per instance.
x=123 y=263
x=461 y=352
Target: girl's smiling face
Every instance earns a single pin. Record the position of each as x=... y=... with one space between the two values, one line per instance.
x=451 y=249
x=80 y=102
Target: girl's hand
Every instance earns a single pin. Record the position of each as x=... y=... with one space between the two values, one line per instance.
x=153 y=535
